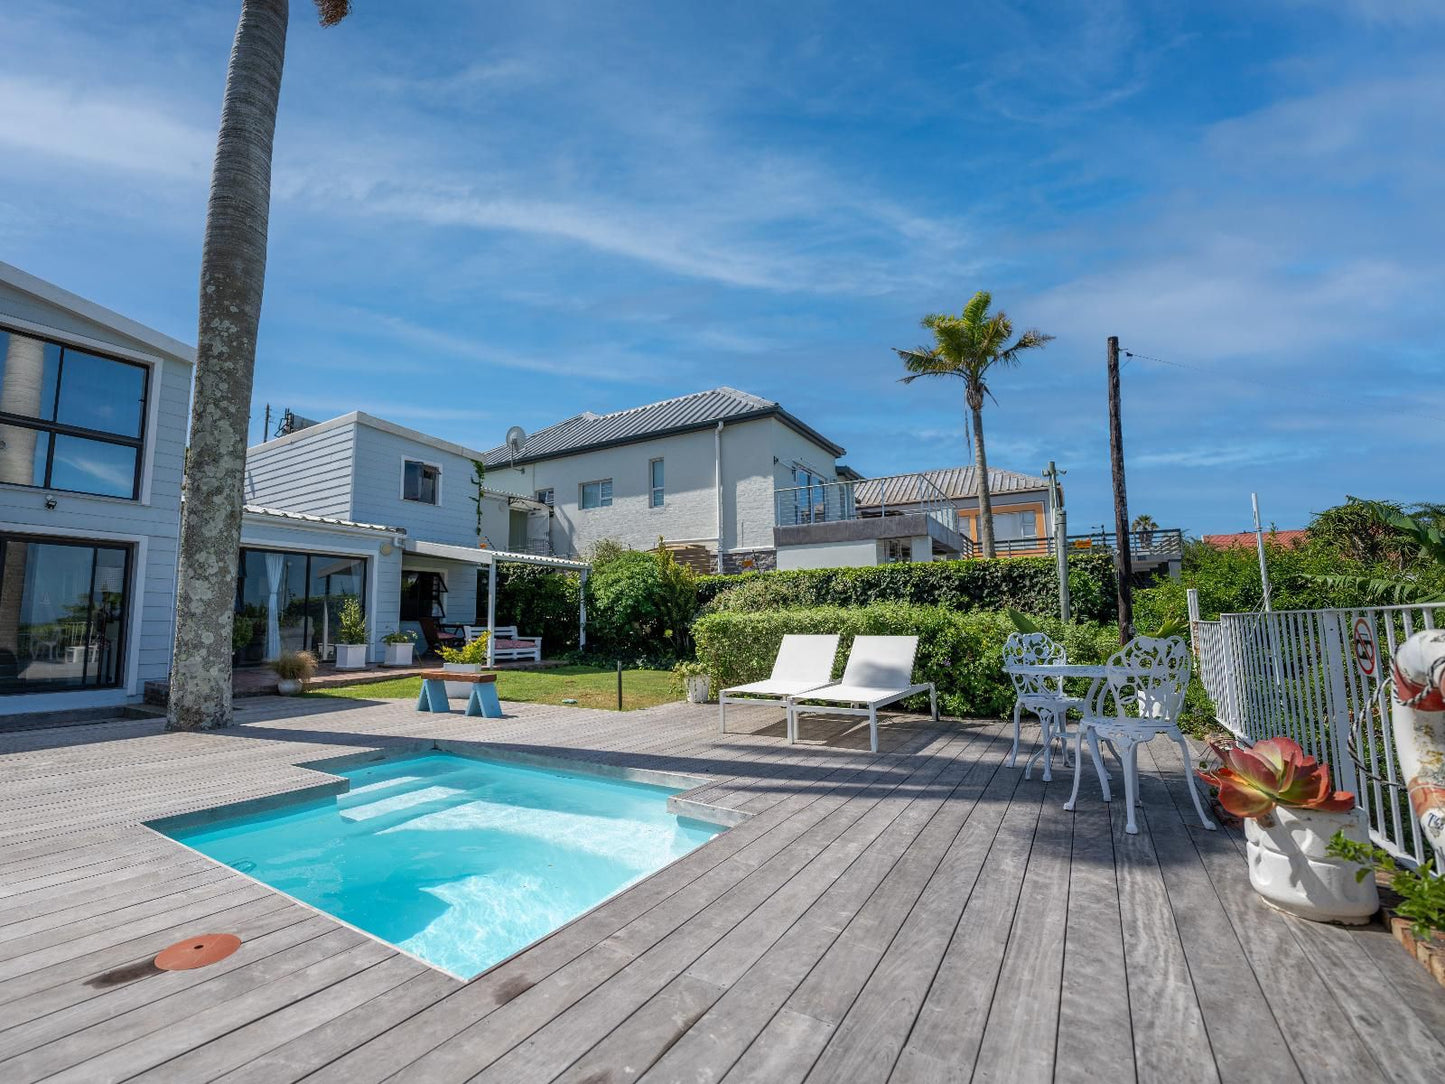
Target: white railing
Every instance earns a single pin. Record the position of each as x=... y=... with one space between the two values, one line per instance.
x=894 y=495
x=1321 y=678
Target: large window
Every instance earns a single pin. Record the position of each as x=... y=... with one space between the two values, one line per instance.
x=70 y=419
x=595 y=494
x=656 y=489
x=421 y=482
x=63 y=611
x=290 y=601
x=423 y=595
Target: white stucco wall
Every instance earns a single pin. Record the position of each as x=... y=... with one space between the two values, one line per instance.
x=830 y=555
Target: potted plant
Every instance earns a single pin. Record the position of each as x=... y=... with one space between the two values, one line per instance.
x=692 y=678
x=351 y=636
x=1290 y=814
x=293 y=670
x=464 y=660
x=243 y=627
x=399 y=646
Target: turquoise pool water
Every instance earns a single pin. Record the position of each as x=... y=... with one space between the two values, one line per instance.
x=459 y=861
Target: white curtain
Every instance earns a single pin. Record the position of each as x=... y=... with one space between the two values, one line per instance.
x=275 y=566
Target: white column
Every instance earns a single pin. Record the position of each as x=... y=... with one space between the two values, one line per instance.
x=582 y=611
x=492 y=613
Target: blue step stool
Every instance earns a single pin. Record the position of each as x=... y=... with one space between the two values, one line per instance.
x=482 y=701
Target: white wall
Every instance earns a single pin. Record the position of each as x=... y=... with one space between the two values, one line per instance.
x=150 y=525
x=308 y=471
x=830 y=555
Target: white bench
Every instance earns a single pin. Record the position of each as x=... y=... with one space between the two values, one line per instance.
x=507 y=645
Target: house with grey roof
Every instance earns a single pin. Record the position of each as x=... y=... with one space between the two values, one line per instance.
x=701 y=472
x=1020 y=502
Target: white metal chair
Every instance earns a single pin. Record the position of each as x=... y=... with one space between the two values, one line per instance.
x=1147 y=677
x=879 y=672
x=1040 y=694
x=802 y=663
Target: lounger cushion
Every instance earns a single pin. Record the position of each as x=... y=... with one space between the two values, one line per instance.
x=860 y=694
x=774 y=687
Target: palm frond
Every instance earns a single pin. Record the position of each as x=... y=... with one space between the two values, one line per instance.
x=1377 y=591
x=332 y=12
x=977 y=308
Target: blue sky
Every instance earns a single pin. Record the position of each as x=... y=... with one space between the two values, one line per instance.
x=486 y=216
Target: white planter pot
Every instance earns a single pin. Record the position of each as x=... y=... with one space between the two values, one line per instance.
x=351 y=656
x=461 y=688
x=1288 y=865
x=399 y=654
x=698 y=687
x=288 y=686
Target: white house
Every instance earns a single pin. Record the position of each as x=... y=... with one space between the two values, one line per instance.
x=702 y=472
x=359 y=507
x=93 y=415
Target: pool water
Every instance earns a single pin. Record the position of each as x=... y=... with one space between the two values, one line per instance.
x=458 y=861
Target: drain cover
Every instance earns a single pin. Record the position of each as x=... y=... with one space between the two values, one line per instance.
x=208 y=948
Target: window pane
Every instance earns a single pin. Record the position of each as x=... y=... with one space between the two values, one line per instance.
x=93 y=466
x=62 y=611
x=27 y=375
x=606 y=488
x=334 y=580
x=420 y=482
x=657 y=474
x=24 y=453
x=98 y=393
x=1030 y=525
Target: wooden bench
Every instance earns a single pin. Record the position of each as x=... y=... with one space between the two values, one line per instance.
x=509 y=645
x=483 y=700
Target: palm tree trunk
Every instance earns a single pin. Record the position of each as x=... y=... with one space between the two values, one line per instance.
x=233 y=270
x=985 y=498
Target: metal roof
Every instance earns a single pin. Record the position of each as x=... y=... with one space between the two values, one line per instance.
x=956 y=483
x=700 y=410
x=329 y=521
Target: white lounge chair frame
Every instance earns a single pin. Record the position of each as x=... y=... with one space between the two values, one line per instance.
x=879 y=673
x=803 y=663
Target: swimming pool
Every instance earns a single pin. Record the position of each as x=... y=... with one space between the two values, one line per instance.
x=460 y=862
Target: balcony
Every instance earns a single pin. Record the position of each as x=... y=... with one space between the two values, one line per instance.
x=828 y=513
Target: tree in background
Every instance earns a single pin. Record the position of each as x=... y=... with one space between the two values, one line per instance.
x=1144 y=526
x=233 y=272
x=1383 y=532
x=968 y=347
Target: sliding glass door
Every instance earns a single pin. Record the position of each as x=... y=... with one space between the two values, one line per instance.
x=63 y=610
x=290 y=601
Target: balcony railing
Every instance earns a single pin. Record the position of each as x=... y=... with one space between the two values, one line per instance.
x=830 y=502
x=1158 y=544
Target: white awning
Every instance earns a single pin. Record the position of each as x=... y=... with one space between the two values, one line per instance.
x=475 y=555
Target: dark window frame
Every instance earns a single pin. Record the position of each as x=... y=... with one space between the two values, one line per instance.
x=50 y=428
x=436 y=482
x=122 y=637
x=238 y=603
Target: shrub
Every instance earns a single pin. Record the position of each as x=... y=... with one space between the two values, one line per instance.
x=295 y=666
x=641 y=603
x=540 y=602
x=351 y=622
x=473 y=652
x=961 y=653
x=1028 y=584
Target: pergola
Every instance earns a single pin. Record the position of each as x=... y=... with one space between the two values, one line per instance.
x=492 y=558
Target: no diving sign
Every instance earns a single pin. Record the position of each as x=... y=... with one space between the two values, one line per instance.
x=1363 y=642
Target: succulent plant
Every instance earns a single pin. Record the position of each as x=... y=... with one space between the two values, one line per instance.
x=1275 y=771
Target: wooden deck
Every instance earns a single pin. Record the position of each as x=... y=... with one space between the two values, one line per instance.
x=924 y=914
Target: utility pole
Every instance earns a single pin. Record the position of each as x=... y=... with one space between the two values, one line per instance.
x=266 y=425
x=1057 y=518
x=1123 y=559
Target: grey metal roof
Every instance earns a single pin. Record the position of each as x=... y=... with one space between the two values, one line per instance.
x=956 y=483
x=700 y=410
x=306 y=517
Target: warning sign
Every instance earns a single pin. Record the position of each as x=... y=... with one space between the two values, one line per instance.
x=1363 y=641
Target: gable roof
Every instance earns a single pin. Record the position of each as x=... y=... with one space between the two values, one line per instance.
x=700 y=410
x=955 y=482
x=131 y=335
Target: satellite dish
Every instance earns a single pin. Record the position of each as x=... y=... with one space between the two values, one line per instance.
x=516 y=439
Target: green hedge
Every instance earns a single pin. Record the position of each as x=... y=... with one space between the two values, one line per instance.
x=1029 y=584
x=961 y=653
x=540 y=602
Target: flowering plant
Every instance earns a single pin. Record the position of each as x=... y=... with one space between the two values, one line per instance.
x=1275 y=771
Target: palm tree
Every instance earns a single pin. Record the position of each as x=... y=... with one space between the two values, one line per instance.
x=967 y=346
x=1144 y=526
x=233 y=271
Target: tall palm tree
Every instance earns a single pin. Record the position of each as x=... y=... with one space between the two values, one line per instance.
x=233 y=271
x=968 y=346
x=1144 y=526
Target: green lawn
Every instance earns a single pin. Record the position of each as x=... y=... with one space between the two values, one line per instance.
x=590 y=686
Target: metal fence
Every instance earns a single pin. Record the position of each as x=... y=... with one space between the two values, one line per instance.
x=1321 y=678
x=1161 y=543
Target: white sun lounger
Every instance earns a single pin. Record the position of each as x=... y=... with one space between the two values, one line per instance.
x=879 y=672
x=803 y=663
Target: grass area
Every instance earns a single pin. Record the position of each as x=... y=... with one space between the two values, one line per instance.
x=590 y=686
